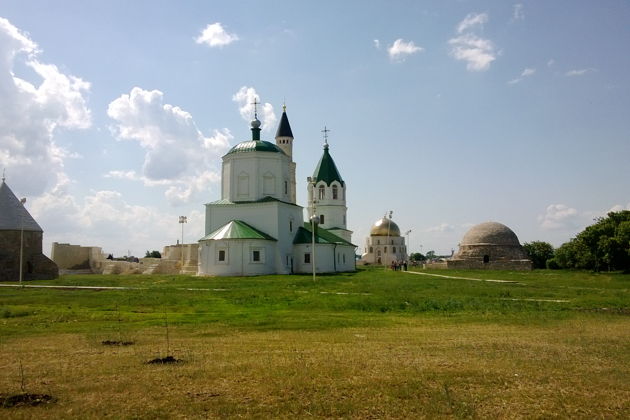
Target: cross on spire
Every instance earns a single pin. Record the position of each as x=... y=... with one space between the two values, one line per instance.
x=325 y=131
x=255 y=103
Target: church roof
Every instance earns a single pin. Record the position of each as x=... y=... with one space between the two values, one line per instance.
x=304 y=235
x=284 y=128
x=255 y=146
x=13 y=215
x=326 y=169
x=237 y=229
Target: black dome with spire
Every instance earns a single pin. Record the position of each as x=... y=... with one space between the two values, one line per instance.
x=284 y=128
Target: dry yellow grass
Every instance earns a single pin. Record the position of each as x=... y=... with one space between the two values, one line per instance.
x=417 y=369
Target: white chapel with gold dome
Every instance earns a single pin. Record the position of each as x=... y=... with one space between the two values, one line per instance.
x=258 y=228
x=385 y=243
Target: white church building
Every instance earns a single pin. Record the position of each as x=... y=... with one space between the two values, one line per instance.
x=258 y=228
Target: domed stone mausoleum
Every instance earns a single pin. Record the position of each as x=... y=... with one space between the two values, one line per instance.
x=491 y=246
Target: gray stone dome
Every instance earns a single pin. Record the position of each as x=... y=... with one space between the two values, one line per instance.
x=490 y=233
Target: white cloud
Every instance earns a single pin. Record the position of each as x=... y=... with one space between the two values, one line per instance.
x=517 y=12
x=618 y=207
x=31 y=111
x=478 y=53
x=558 y=216
x=526 y=73
x=215 y=36
x=472 y=20
x=377 y=44
x=442 y=227
x=401 y=49
x=106 y=219
x=551 y=62
x=245 y=99
x=579 y=72
x=177 y=154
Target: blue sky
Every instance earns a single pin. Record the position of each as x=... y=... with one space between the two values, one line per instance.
x=114 y=115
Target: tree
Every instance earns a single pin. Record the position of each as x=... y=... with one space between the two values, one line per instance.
x=603 y=245
x=431 y=255
x=416 y=256
x=539 y=252
x=153 y=254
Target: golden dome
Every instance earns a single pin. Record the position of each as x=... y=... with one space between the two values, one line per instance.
x=385 y=227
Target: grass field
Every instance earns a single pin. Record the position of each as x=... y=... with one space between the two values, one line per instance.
x=371 y=344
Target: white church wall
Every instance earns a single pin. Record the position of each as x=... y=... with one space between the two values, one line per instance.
x=240 y=257
x=289 y=221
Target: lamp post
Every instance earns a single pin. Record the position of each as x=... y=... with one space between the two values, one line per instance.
x=182 y=220
x=22 y=201
x=314 y=220
x=408 y=242
x=387 y=241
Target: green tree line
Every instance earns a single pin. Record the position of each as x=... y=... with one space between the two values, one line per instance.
x=604 y=245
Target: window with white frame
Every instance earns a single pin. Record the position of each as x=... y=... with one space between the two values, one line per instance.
x=322 y=192
x=307 y=258
x=321 y=219
x=222 y=255
x=257 y=255
x=335 y=192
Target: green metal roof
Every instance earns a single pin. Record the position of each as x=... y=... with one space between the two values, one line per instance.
x=237 y=229
x=304 y=235
x=265 y=199
x=326 y=169
x=255 y=146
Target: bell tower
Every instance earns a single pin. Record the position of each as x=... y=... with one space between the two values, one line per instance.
x=329 y=191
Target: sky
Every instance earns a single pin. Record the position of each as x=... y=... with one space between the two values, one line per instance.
x=114 y=115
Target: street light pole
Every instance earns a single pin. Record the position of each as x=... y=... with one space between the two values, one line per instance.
x=387 y=241
x=182 y=220
x=314 y=220
x=22 y=201
x=408 y=242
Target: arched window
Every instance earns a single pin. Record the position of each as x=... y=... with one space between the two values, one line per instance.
x=371 y=250
x=321 y=219
x=322 y=192
x=385 y=250
x=335 y=192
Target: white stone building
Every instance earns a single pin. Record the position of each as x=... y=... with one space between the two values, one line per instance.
x=258 y=228
x=385 y=244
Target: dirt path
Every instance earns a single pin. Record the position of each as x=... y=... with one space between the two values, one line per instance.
x=463 y=278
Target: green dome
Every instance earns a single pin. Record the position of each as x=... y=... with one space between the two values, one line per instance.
x=255 y=146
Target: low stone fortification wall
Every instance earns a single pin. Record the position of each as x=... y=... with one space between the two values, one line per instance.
x=74 y=257
x=521 y=265
x=436 y=265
